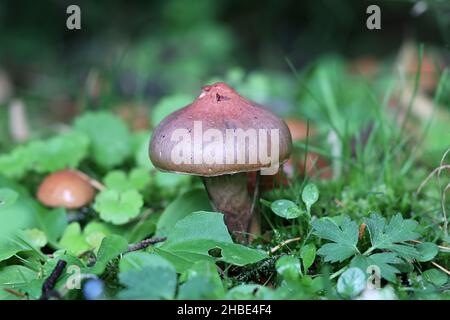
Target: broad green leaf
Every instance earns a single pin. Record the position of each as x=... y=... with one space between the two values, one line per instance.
x=186 y=203
x=351 y=283
x=18 y=278
x=7 y=197
x=137 y=260
x=310 y=195
x=150 y=282
x=344 y=237
x=308 y=255
x=192 y=238
x=36 y=237
x=427 y=251
x=109 y=136
x=199 y=287
x=251 y=291
x=111 y=247
x=288 y=267
x=435 y=276
x=286 y=209
x=118 y=207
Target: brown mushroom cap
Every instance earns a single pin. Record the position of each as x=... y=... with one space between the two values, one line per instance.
x=66 y=188
x=218 y=107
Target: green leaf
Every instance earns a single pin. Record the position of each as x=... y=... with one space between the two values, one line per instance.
x=150 y=282
x=16 y=163
x=192 y=238
x=251 y=291
x=435 y=276
x=138 y=259
x=111 y=247
x=308 y=255
x=288 y=267
x=427 y=251
x=7 y=197
x=119 y=181
x=118 y=207
x=286 y=209
x=141 y=141
x=167 y=105
x=62 y=151
x=351 y=283
x=18 y=278
x=36 y=238
x=52 y=222
x=186 y=203
x=310 y=195
x=390 y=236
x=385 y=261
x=109 y=135
x=201 y=281
x=345 y=238
x=73 y=239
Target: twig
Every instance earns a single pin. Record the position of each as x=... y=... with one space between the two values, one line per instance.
x=440 y=267
x=50 y=282
x=424 y=182
x=15 y=293
x=285 y=242
x=144 y=244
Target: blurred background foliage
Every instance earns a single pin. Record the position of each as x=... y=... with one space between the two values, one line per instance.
x=154 y=56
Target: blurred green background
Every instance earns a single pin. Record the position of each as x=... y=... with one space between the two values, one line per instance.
x=153 y=53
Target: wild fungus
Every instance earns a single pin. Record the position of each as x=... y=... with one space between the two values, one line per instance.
x=67 y=188
x=220 y=137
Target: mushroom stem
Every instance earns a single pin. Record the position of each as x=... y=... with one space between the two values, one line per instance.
x=228 y=194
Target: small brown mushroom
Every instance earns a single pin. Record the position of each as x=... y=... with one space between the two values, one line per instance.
x=67 y=188
x=221 y=112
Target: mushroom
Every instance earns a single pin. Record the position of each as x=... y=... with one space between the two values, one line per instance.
x=67 y=188
x=220 y=137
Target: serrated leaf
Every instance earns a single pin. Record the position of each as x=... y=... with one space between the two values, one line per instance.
x=344 y=237
x=286 y=209
x=63 y=151
x=390 y=236
x=118 y=207
x=109 y=136
x=385 y=261
x=16 y=163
